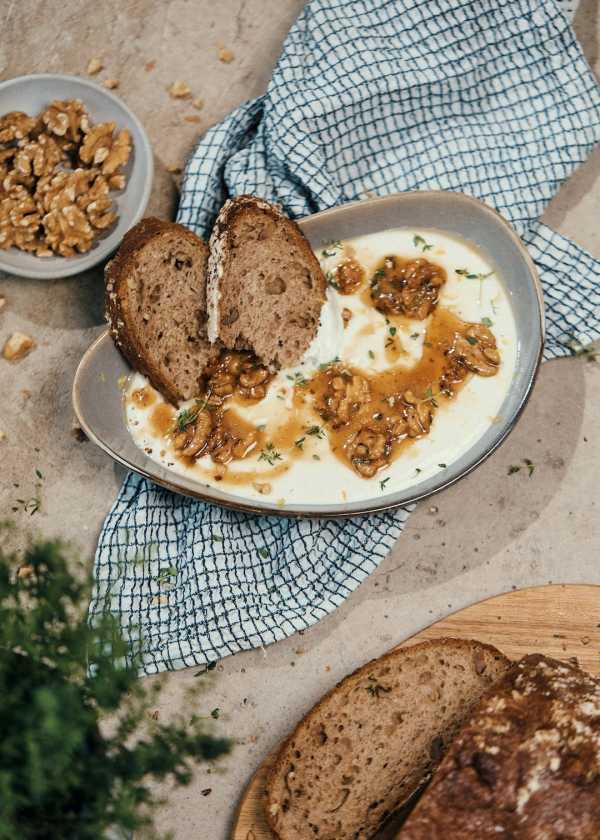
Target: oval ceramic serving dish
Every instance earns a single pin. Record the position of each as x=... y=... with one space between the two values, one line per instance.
x=98 y=399
x=34 y=93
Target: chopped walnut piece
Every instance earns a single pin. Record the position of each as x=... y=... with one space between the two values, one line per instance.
x=349 y=276
x=66 y=118
x=418 y=415
x=17 y=347
x=411 y=288
x=102 y=148
x=192 y=118
x=369 y=450
x=262 y=487
x=345 y=395
x=16 y=125
x=38 y=157
x=19 y=221
x=174 y=170
x=179 y=90
x=116 y=182
x=225 y=55
x=66 y=225
x=97 y=204
x=476 y=350
x=94 y=66
x=238 y=373
x=111 y=84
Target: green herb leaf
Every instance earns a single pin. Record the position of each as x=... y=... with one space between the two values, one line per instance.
x=39 y=474
x=487 y=322
x=415 y=335
x=513 y=469
x=371 y=354
x=316 y=458
x=263 y=553
x=270 y=454
x=392 y=330
x=300 y=442
x=442 y=466
x=315 y=431
x=421 y=243
x=471 y=339
x=383 y=482
x=215 y=713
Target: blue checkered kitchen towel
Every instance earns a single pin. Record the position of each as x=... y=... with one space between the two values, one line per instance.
x=489 y=97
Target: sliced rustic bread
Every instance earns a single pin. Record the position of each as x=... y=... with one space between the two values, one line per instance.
x=371 y=743
x=156 y=305
x=265 y=286
x=526 y=766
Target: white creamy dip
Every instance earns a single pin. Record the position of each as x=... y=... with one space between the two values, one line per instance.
x=316 y=475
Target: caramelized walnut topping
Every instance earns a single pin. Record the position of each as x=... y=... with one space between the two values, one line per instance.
x=348 y=277
x=236 y=373
x=407 y=288
x=369 y=450
x=345 y=395
x=193 y=440
x=476 y=349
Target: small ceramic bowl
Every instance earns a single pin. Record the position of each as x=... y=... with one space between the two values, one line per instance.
x=33 y=94
x=98 y=400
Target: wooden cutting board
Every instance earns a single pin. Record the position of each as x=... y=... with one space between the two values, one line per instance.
x=558 y=620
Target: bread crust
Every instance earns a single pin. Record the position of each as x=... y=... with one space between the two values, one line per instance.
x=221 y=247
x=116 y=273
x=441 y=645
x=525 y=765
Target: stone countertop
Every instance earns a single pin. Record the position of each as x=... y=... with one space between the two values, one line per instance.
x=487 y=534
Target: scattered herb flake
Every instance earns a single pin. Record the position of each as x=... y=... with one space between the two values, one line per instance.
x=331 y=281
x=270 y=454
x=383 y=482
x=316 y=458
x=530 y=466
x=421 y=243
x=264 y=553
x=300 y=442
x=392 y=330
x=330 y=249
x=39 y=475
x=513 y=469
x=316 y=431
x=415 y=335
x=471 y=339
x=215 y=713
x=487 y=322
x=371 y=354
x=418 y=470
x=442 y=466
x=297 y=379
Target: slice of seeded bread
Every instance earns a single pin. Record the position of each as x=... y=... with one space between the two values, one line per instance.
x=265 y=286
x=372 y=742
x=156 y=305
x=526 y=765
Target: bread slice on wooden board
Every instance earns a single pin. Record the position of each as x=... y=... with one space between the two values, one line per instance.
x=265 y=286
x=373 y=740
x=156 y=305
x=526 y=766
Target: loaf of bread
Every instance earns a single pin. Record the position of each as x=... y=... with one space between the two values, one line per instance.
x=156 y=305
x=265 y=286
x=526 y=766
x=370 y=743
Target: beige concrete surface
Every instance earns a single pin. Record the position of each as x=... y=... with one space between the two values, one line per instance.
x=489 y=533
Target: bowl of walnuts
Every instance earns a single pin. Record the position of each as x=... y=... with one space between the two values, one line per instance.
x=75 y=174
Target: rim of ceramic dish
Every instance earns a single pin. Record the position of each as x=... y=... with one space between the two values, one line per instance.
x=67 y=269
x=368 y=507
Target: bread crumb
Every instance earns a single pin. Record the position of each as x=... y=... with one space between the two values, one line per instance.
x=149 y=66
x=192 y=118
x=262 y=487
x=94 y=66
x=179 y=90
x=198 y=103
x=111 y=84
x=174 y=170
x=17 y=347
x=25 y=394
x=225 y=55
x=2 y=436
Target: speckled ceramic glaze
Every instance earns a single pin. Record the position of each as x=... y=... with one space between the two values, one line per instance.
x=32 y=94
x=98 y=400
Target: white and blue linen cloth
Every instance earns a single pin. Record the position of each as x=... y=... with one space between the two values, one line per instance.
x=489 y=97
